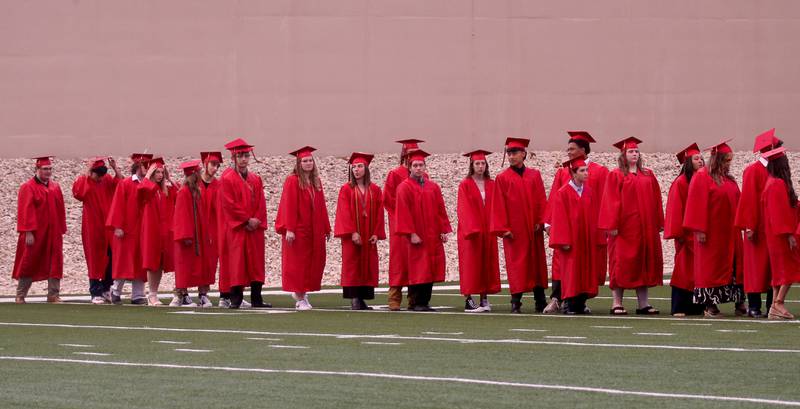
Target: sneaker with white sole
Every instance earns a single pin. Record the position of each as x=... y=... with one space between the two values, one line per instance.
x=186 y=301
x=470 y=306
x=107 y=296
x=553 y=307
x=224 y=303
x=486 y=305
x=303 y=305
x=246 y=304
x=98 y=300
x=205 y=302
x=176 y=301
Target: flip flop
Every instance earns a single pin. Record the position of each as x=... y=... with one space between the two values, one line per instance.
x=618 y=310
x=648 y=310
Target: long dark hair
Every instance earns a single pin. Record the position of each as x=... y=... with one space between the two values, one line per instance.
x=687 y=169
x=715 y=170
x=779 y=168
x=486 y=174
x=351 y=180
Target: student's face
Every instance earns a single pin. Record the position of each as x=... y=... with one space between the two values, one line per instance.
x=417 y=168
x=479 y=166
x=359 y=170
x=632 y=156
x=158 y=175
x=44 y=173
x=581 y=174
x=516 y=157
x=211 y=167
x=574 y=151
x=726 y=162
x=242 y=160
x=698 y=161
x=307 y=164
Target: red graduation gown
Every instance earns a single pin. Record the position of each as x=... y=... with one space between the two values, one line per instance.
x=240 y=200
x=632 y=206
x=683 y=272
x=304 y=212
x=40 y=209
x=711 y=210
x=126 y=214
x=478 y=266
x=421 y=210
x=191 y=222
x=397 y=257
x=596 y=182
x=518 y=204
x=573 y=224
x=157 y=244
x=209 y=203
x=361 y=213
x=224 y=273
x=779 y=222
x=749 y=215
x=96 y=198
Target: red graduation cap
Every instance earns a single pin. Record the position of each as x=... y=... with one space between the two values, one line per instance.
x=96 y=162
x=207 y=156
x=409 y=144
x=517 y=143
x=688 y=152
x=581 y=135
x=190 y=167
x=575 y=163
x=721 y=147
x=238 y=145
x=630 y=142
x=43 y=161
x=159 y=162
x=303 y=152
x=774 y=154
x=141 y=157
x=478 y=154
x=361 y=157
x=418 y=155
x=765 y=141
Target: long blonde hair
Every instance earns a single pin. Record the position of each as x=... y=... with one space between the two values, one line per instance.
x=313 y=176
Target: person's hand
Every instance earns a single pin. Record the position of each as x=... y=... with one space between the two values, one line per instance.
x=290 y=237
x=415 y=239
x=508 y=235
x=565 y=248
x=613 y=233
x=112 y=163
x=88 y=170
x=118 y=233
x=29 y=239
x=792 y=243
x=443 y=236
x=750 y=234
x=187 y=242
x=253 y=223
x=373 y=239
x=150 y=170
x=700 y=236
x=356 y=239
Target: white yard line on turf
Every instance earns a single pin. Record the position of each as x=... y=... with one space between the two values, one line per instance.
x=737 y=330
x=562 y=337
x=289 y=346
x=381 y=343
x=173 y=342
x=442 y=379
x=264 y=339
x=193 y=350
x=76 y=345
x=655 y=334
x=610 y=327
x=410 y=338
x=528 y=330
x=92 y=353
x=441 y=333
x=692 y=324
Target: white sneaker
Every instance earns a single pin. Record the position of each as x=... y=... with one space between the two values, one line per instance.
x=553 y=307
x=486 y=305
x=187 y=301
x=302 y=305
x=176 y=301
x=205 y=302
x=98 y=300
x=224 y=303
x=245 y=304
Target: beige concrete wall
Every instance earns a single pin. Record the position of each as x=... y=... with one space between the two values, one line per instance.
x=80 y=77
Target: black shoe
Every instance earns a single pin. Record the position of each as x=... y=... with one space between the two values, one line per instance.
x=364 y=305
x=754 y=313
x=355 y=304
x=116 y=300
x=139 y=301
x=256 y=299
x=424 y=308
x=516 y=307
x=237 y=295
x=470 y=306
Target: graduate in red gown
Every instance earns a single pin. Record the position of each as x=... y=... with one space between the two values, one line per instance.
x=713 y=197
x=781 y=211
x=95 y=189
x=749 y=218
x=573 y=224
x=209 y=187
x=518 y=210
x=579 y=145
x=191 y=239
x=243 y=219
x=125 y=220
x=632 y=214
x=478 y=266
x=224 y=274
x=41 y=223
x=397 y=262
x=682 y=281
x=359 y=224
x=422 y=228
x=158 y=194
x=303 y=223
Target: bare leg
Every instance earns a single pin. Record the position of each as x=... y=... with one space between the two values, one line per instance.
x=617 y=292
x=643 y=296
x=153 y=281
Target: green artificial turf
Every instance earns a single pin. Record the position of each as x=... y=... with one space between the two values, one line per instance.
x=430 y=345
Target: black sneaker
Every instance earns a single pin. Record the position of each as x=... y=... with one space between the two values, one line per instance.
x=516 y=307
x=139 y=301
x=470 y=306
x=116 y=300
x=754 y=313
